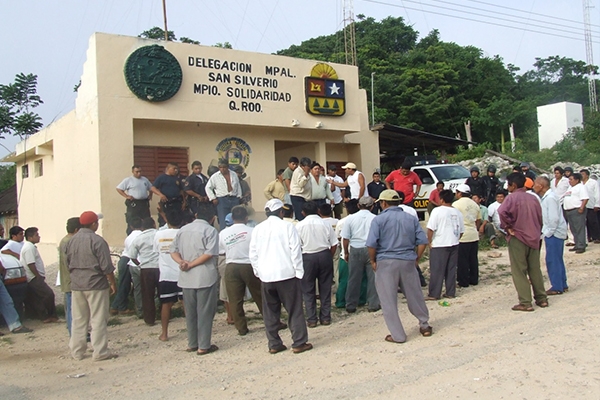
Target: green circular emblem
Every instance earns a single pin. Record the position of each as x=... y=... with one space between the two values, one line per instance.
x=153 y=74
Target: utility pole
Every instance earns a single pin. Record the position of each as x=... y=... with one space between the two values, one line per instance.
x=589 y=56
x=349 y=32
x=165 y=19
x=372 y=99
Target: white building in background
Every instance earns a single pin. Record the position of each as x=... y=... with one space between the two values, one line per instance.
x=555 y=121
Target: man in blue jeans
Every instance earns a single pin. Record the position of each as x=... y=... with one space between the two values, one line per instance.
x=7 y=309
x=224 y=190
x=554 y=231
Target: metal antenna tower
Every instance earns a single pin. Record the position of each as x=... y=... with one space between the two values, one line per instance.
x=589 y=55
x=349 y=32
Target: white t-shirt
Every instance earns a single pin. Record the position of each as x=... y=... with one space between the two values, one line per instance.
x=338 y=232
x=331 y=221
x=13 y=246
x=127 y=245
x=409 y=210
x=234 y=242
x=447 y=224
x=575 y=196
x=337 y=193
x=494 y=215
x=169 y=269
x=316 y=235
x=31 y=255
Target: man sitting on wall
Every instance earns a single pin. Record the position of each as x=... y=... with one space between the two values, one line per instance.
x=40 y=297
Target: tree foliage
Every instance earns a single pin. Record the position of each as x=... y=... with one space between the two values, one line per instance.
x=437 y=86
x=17 y=100
x=157 y=33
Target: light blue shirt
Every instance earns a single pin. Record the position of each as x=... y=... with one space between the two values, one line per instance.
x=394 y=234
x=356 y=228
x=553 y=221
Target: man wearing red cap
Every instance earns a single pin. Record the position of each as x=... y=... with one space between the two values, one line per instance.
x=91 y=268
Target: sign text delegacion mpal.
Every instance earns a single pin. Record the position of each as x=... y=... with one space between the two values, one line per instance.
x=249 y=90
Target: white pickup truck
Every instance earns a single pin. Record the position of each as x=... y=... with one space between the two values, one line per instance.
x=451 y=174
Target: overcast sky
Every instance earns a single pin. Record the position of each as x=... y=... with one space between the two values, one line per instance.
x=50 y=38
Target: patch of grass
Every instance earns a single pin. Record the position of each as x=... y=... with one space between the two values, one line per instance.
x=114 y=321
x=7 y=340
x=60 y=310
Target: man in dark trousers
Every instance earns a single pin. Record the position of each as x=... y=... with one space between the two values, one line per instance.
x=195 y=187
x=276 y=257
x=168 y=188
x=137 y=192
x=375 y=187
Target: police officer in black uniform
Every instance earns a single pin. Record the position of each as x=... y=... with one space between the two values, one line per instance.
x=168 y=187
x=492 y=184
x=475 y=182
x=195 y=187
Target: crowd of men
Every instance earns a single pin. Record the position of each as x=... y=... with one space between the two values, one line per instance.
x=207 y=249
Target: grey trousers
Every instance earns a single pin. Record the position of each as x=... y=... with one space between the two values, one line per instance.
x=443 y=262
x=577 y=223
x=318 y=267
x=288 y=292
x=136 y=273
x=200 y=310
x=358 y=262
x=387 y=276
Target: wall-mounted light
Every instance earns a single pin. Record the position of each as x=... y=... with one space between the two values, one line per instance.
x=295 y=122
x=319 y=124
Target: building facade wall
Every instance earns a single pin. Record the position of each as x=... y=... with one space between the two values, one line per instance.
x=92 y=147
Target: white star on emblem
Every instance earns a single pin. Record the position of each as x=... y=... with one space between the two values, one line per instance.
x=334 y=89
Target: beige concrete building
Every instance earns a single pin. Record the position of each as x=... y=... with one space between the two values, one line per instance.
x=255 y=109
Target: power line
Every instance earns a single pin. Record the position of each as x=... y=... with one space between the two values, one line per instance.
x=497 y=18
x=528 y=18
x=480 y=21
x=523 y=11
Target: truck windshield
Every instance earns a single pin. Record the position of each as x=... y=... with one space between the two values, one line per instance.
x=450 y=172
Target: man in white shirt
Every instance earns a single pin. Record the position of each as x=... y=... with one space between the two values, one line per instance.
x=234 y=242
x=355 y=181
x=354 y=237
x=592 y=206
x=224 y=190
x=468 y=247
x=318 y=246
x=494 y=216
x=40 y=297
x=560 y=184
x=15 y=244
x=554 y=233
x=276 y=257
x=124 y=266
x=444 y=230
x=142 y=253
x=574 y=202
x=136 y=190
x=338 y=199
x=168 y=290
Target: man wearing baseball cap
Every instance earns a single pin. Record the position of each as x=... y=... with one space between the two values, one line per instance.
x=88 y=258
x=468 y=264
x=276 y=258
x=391 y=243
x=355 y=180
